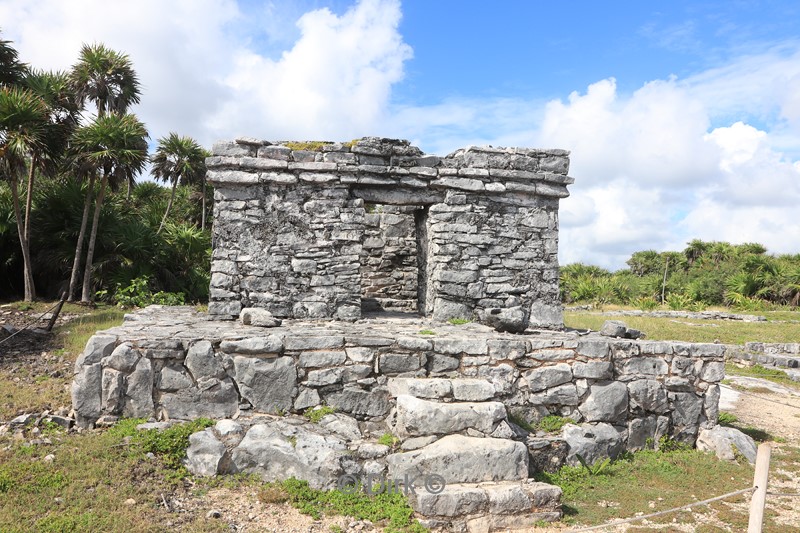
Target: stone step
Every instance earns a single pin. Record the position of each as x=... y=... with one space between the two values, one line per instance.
x=461 y=459
x=484 y=507
x=417 y=417
x=461 y=389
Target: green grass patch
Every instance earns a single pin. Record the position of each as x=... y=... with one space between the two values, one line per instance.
x=387 y=439
x=553 y=423
x=75 y=334
x=390 y=510
x=726 y=419
x=170 y=444
x=458 y=321
x=315 y=414
x=670 y=474
x=757 y=371
x=725 y=331
x=427 y=332
x=311 y=146
x=85 y=487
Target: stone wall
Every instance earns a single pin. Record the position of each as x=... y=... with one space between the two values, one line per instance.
x=175 y=364
x=290 y=228
x=389 y=265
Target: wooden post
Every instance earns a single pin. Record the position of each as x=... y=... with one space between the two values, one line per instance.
x=54 y=315
x=760 y=483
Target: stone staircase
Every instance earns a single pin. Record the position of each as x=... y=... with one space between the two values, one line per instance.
x=468 y=466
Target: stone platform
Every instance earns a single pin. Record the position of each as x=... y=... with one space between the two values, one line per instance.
x=458 y=398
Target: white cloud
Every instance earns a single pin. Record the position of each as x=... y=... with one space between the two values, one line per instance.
x=205 y=72
x=334 y=83
x=651 y=173
x=711 y=156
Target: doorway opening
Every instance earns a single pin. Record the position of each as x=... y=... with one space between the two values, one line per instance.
x=394 y=259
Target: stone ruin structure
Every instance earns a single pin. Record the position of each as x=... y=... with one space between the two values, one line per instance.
x=311 y=236
x=377 y=224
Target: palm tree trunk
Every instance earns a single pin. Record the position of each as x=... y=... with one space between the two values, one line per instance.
x=203 y=216
x=76 y=262
x=128 y=195
x=30 y=290
x=29 y=199
x=169 y=206
x=86 y=295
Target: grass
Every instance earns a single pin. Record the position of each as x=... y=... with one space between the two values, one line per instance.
x=23 y=392
x=315 y=414
x=458 y=321
x=311 y=146
x=75 y=334
x=670 y=477
x=387 y=439
x=387 y=509
x=757 y=371
x=725 y=331
x=553 y=423
x=85 y=487
x=427 y=332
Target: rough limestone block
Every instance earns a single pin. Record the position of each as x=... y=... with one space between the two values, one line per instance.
x=548 y=376
x=417 y=417
x=123 y=359
x=454 y=500
x=277 y=451
x=139 y=391
x=460 y=459
x=268 y=384
x=375 y=403
x=593 y=442
x=686 y=409
x=593 y=370
x=607 y=402
x=472 y=390
x=98 y=347
x=206 y=456
x=648 y=395
x=202 y=363
x=254 y=316
x=435 y=388
x=726 y=442
x=267 y=345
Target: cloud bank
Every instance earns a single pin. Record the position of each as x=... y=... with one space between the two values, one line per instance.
x=711 y=156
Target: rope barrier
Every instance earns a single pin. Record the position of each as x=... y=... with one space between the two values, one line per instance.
x=29 y=324
x=784 y=494
x=759 y=397
x=653 y=515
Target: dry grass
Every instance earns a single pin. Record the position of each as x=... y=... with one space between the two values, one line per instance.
x=725 y=331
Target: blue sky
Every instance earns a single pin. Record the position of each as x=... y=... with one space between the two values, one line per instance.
x=683 y=118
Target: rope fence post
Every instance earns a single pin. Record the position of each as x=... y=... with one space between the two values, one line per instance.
x=760 y=480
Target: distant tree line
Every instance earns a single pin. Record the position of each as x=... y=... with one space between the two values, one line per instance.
x=73 y=219
x=743 y=276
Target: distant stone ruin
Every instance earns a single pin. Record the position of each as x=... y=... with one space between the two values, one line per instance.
x=377 y=225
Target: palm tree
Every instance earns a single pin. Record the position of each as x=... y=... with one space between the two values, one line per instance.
x=116 y=144
x=11 y=70
x=55 y=90
x=107 y=78
x=179 y=160
x=23 y=132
